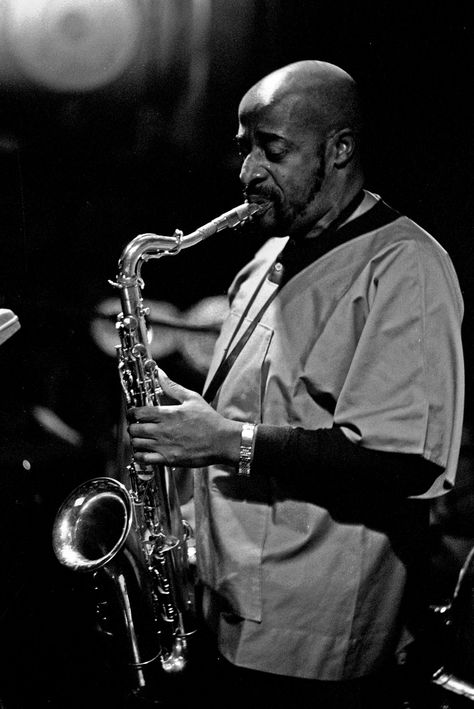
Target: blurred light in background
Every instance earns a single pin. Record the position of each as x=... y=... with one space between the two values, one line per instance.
x=81 y=45
x=69 y=45
x=191 y=333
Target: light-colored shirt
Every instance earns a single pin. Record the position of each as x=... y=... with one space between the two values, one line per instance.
x=373 y=325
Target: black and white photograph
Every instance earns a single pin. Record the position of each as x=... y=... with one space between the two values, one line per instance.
x=236 y=335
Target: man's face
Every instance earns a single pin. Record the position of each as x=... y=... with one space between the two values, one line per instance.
x=283 y=163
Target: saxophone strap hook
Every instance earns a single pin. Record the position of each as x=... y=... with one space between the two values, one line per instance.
x=178 y=235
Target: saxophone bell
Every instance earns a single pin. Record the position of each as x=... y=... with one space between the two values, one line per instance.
x=92 y=533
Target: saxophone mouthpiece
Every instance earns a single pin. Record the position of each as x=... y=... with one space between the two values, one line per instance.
x=257 y=208
x=253 y=208
x=234 y=217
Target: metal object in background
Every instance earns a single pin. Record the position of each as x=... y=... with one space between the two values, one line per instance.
x=9 y=324
x=136 y=537
x=456 y=675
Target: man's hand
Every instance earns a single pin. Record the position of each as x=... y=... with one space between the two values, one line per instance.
x=188 y=433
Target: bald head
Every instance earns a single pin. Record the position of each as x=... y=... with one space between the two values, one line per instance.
x=298 y=139
x=322 y=95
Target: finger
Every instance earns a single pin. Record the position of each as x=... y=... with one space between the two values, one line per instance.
x=150 y=458
x=140 y=414
x=151 y=414
x=143 y=430
x=174 y=390
x=131 y=414
x=143 y=444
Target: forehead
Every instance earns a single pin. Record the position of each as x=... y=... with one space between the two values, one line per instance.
x=262 y=109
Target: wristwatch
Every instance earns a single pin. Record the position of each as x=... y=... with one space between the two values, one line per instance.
x=247 y=441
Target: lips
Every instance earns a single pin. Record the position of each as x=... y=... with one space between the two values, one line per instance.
x=263 y=207
x=264 y=203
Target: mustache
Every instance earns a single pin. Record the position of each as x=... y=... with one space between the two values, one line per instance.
x=259 y=195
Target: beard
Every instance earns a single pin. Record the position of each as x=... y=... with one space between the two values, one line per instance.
x=301 y=217
x=280 y=217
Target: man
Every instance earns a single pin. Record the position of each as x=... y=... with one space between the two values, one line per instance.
x=343 y=404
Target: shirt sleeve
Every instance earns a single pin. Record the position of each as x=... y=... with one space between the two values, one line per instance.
x=404 y=389
x=325 y=462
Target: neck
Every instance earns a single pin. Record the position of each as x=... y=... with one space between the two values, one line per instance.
x=368 y=200
x=351 y=204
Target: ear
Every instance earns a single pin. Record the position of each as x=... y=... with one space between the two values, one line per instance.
x=344 y=147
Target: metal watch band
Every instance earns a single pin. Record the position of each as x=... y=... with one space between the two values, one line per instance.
x=247 y=438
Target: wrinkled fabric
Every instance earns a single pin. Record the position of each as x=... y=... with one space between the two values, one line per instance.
x=368 y=338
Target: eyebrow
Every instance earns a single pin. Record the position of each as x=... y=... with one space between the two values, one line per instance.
x=264 y=136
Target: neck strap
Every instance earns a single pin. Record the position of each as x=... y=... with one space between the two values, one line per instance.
x=229 y=359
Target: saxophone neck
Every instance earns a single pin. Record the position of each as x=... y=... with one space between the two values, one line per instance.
x=229 y=220
x=148 y=246
x=140 y=249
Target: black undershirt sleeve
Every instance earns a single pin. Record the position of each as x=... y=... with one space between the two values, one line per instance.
x=325 y=462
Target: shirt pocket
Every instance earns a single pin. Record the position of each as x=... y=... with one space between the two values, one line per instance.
x=240 y=395
x=230 y=540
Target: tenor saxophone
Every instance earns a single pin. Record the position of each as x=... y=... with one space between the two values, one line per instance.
x=132 y=538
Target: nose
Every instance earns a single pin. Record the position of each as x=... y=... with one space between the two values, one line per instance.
x=252 y=170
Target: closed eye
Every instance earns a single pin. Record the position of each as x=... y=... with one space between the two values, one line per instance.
x=273 y=147
x=275 y=154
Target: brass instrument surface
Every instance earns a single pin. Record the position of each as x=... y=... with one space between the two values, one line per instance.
x=132 y=538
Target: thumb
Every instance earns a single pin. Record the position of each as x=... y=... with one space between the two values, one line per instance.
x=172 y=390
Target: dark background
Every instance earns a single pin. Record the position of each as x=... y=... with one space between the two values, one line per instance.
x=85 y=169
